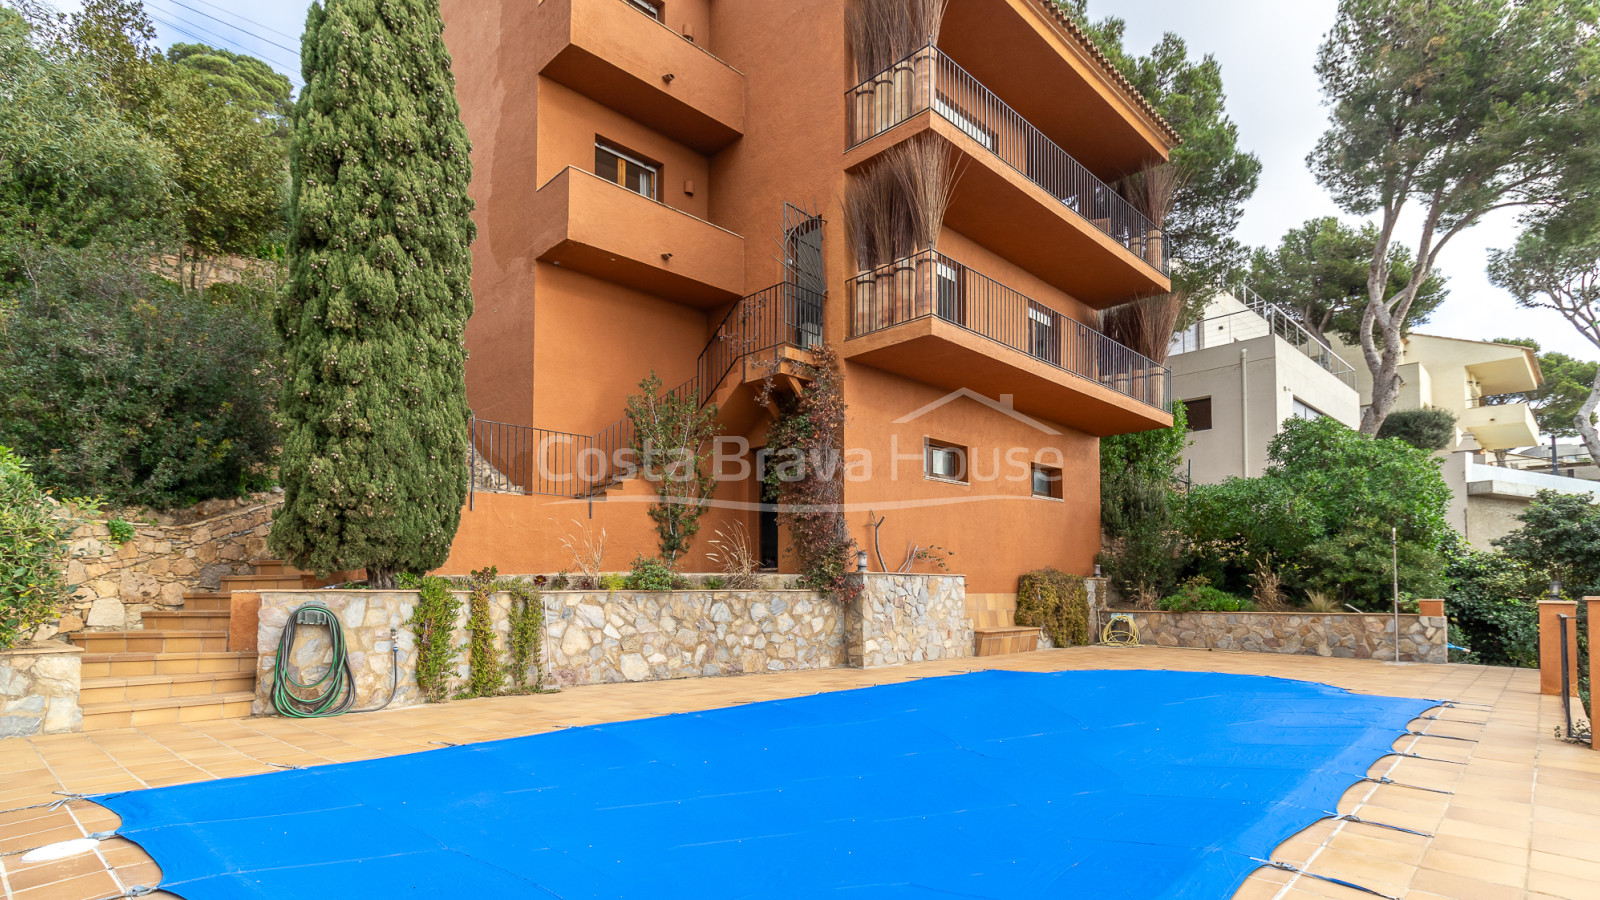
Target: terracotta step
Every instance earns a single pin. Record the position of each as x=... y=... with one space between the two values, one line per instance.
x=119 y=689
x=1000 y=641
x=207 y=602
x=276 y=567
x=167 y=711
x=107 y=665
x=186 y=620
x=232 y=583
x=148 y=641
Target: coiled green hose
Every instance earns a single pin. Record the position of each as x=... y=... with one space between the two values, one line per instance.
x=334 y=693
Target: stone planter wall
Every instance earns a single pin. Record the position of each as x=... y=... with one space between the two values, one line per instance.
x=901 y=619
x=599 y=637
x=1343 y=635
x=596 y=637
x=39 y=689
x=186 y=551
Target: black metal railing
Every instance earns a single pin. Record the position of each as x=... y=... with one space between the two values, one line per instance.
x=520 y=459
x=1570 y=634
x=929 y=80
x=930 y=284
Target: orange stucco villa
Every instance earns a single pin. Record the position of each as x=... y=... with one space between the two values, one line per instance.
x=659 y=187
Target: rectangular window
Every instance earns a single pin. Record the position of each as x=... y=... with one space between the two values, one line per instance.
x=645 y=6
x=1043 y=340
x=1046 y=482
x=944 y=461
x=1303 y=410
x=950 y=288
x=943 y=106
x=1199 y=412
x=626 y=169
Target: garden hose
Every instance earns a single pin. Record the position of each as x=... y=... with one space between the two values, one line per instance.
x=334 y=693
x=1127 y=636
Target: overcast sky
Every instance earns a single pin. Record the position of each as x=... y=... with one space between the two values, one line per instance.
x=1267 y=49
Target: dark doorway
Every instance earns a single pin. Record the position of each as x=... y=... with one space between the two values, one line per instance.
x=766 y=516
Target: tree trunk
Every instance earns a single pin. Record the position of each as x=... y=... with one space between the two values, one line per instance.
x=1585 y=420
x=380 y=578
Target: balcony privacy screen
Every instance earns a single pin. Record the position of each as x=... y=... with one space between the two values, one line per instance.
x=998 y=784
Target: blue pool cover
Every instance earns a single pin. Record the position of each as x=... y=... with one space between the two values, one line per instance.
x=995 y=785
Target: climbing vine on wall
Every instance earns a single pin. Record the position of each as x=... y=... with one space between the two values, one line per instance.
x=805 y=473
x=525 y=643
x=433 y=621
x=484 y=677
x=1057 y=602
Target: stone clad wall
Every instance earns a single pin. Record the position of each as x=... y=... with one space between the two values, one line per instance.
x=1344 y=635
x=190 y=551
x=901 y=619
x=39 y=690
x=596 y=637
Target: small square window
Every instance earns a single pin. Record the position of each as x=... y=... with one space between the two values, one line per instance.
x=653 y=10
x=1046 y=482
x=1199 y=413
x=626 y=169
x=944 y=461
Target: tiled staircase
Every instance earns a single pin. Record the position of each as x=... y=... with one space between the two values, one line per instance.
x=178 y=667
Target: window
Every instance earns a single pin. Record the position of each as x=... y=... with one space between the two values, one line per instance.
x=943 y=106
x=946 y=462
x=1043 y=341
x=1199 y=412
x=1046 y=482
x=645 y=6
x=951 y=292
x=1303 y=410
x=625 y=169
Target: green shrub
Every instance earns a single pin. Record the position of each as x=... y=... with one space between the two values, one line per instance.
x=714 y=583
x=1197 y=595
x=1140 y=507
x=650 y=573
x=32 y=545
x=1493 y=606
x=524 y=643
x=1057 y=602
x=117 y=383
x=121 y=531
x=484 y=676
x=612 y=582
x=1428 y=429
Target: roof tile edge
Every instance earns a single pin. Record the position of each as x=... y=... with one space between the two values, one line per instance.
x=1076 y=32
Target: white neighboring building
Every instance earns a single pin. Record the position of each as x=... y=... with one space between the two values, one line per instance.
x=1242 y=370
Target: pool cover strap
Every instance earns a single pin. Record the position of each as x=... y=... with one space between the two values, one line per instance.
x=989 y=785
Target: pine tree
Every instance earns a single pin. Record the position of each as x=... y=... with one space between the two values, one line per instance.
x=374 y=403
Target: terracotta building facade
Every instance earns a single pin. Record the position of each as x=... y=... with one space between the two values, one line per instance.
x=660 y=188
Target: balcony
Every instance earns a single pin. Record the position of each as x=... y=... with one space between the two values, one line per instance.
x=932 y=319
x=1259 y=320
x=1500 y=426
x=617 y=56
x=1019 y=193
x=586 y=223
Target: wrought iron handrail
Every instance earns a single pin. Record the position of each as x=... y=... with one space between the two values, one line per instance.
x=932 y=285
x=522 y=459
x=930 y=80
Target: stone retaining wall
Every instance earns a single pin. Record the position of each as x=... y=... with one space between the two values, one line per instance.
x=170 y=553
x=39 y=689
x=901 y=619
x=1344 y=635
x=596 y=637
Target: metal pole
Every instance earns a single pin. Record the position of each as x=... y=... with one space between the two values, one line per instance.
x=1555 y=462
x=1394 y=543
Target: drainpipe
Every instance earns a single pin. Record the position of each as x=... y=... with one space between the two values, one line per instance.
x=1244 y=414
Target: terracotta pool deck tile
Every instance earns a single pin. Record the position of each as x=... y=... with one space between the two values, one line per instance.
x=1497 y=824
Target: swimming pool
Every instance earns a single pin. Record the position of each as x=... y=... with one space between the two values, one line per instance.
x=994 y=784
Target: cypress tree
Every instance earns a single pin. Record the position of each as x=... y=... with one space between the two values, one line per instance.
x=374 y=403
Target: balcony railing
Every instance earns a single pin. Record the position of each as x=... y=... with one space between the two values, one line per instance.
x=518 y=459
x=1260 y=320
x=930 y=284
x=929 y=80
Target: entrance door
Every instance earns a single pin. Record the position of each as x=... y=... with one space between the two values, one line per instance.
x=766 y=516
